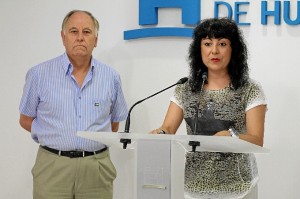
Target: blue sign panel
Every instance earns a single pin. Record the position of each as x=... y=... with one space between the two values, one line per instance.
x=148 y=15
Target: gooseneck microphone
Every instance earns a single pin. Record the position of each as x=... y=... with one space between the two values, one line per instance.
x=127 y=125
x=194 y=144
x=204 y=80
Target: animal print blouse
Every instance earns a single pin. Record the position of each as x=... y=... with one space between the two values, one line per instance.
x=214 y=175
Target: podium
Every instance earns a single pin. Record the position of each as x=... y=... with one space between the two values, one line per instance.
x=152 y=157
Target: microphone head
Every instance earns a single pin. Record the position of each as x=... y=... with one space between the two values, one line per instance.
x=204 y=76
x=182 y=80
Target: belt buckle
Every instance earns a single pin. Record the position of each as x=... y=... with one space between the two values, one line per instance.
x=76 y=154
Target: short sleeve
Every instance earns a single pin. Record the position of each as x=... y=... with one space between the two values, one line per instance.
x=177 y=95
x=119 y=108
x=256 y=96
x=30 y=100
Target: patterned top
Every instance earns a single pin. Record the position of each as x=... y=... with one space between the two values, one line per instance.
x=214 y=175
x=60 y=107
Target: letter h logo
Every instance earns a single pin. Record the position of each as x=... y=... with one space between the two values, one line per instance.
x=148 y=15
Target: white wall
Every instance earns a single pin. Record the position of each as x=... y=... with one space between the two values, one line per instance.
x=30 y=34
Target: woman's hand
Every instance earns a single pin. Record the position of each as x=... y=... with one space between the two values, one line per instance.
x=222 y=133
x=157 y=131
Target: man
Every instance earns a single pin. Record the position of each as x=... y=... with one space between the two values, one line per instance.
x=70 y=93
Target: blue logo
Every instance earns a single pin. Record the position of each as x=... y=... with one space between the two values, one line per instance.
x=148 y=15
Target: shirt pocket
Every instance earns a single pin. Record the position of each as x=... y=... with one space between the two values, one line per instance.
x=100 y=109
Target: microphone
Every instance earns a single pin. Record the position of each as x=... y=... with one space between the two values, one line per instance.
x=194 y=144
x=127 y=125
x=204 y=80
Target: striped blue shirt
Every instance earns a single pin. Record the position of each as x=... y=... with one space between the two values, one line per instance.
x=61 y=108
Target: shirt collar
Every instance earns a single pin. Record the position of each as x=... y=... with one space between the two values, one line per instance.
x=68 y=68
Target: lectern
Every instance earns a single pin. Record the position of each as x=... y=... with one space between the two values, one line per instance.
x=152 y=157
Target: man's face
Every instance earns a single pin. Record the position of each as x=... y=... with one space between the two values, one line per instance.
x=79 y=36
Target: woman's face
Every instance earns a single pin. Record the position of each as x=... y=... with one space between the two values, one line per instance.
x=216 y=53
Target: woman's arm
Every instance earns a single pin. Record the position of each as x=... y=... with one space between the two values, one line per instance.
x=172 y=120
x=255 y=121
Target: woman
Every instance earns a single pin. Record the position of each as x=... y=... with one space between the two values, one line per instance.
x=229 y=103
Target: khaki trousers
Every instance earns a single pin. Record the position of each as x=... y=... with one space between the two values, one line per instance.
x=59 y=177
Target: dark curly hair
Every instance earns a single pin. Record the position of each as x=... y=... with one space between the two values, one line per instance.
x=219 y=28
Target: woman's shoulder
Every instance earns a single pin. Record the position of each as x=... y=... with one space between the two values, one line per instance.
x=253 y=84
x=185 y=87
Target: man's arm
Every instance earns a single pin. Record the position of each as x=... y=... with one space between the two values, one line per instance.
x=115 y=126
x=26 y=122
